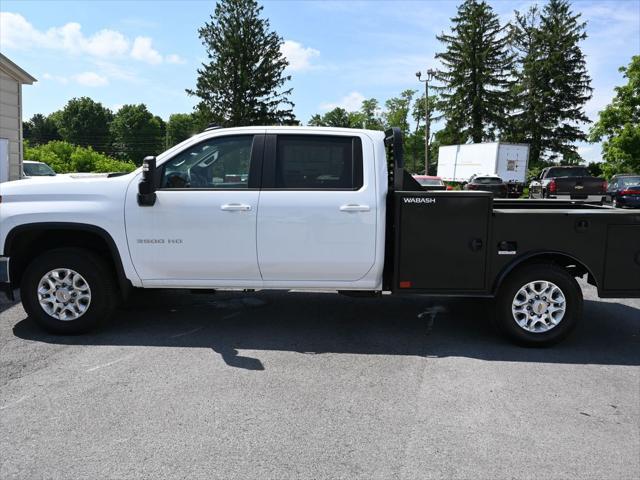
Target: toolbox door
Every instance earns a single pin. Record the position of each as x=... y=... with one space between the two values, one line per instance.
x=622 y=263
x=442 y=240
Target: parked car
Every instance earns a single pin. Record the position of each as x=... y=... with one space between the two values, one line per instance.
x=429 y=182
x=36 y=169
x=488 y=183
x=569 y=183
x=624 y=191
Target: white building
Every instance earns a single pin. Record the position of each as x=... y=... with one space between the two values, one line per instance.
x=12 y=77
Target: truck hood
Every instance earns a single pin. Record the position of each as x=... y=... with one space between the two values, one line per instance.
x=63 y=186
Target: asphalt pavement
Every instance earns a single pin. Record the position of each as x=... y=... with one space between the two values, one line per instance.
x=269 y=385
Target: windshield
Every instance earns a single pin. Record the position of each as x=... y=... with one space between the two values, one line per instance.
x=626 y=182
x=37 y=170
x=430 y=182
x=488 y=180
x=568 y=172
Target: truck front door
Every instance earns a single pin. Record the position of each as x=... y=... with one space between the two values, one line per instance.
x=202 y=227
x=318 y=209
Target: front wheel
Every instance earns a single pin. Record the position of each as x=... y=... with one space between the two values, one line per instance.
x=538 y=305
x=68 y=291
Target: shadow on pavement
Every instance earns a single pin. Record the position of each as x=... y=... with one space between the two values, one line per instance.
x=328 y=323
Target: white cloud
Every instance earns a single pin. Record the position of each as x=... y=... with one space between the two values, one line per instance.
x=299 y=57
x=173 y=58
x=56 y=78
x=17 y=33
x=91 y=79
x=350 y=103
x=143 y=50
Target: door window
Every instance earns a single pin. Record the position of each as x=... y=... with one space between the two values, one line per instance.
x=218 y=163
x=315 y=162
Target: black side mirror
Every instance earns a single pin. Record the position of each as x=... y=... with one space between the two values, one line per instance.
x=148 y=184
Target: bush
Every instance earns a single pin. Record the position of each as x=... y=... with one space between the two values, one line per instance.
x=65 y=157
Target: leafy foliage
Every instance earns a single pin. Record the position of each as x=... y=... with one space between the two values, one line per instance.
x=85 y=122
x=477 y=64
x=242 y=84
x=136 y=133
x=619 y=125
x=338 y=117
x=182 y=126
x=64 y=157
x=40 y=129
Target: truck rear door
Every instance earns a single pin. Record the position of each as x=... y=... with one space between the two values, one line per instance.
x=317 y=209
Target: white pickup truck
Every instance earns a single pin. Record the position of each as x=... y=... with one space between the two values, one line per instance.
x=304 y=208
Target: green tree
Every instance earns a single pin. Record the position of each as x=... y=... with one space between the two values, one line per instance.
x=552 y=84
x=618 y=125
x=242 y=84
x=370 y=112
x=368 y=117
x=85 y=122
x=338 y=117
x=397 y=110
x=180 y=127
x=476 y=71
x=40 y=129
x=137 y=133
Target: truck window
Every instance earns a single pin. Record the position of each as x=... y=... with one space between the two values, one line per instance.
x=220 y=162
x=568 y=172
x=312 y=162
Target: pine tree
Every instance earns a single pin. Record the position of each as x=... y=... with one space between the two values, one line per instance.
x=552 y=81
x=476 y=71
x=243 y=82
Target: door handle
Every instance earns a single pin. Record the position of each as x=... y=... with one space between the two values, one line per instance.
x=352 y=207
x=235 y=207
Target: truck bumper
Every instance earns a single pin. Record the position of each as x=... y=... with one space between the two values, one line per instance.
x=588 y=198
x=5 y=281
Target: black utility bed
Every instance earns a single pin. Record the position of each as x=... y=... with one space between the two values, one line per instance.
x=465 y=243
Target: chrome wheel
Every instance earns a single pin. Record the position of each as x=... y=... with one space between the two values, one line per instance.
x=64 y=294
x=539 y=306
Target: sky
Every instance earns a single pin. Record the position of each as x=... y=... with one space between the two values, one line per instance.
x=340 y=52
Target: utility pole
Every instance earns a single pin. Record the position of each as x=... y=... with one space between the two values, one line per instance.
x=429 y=76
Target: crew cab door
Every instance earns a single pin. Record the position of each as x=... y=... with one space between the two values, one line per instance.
x=202 y=227
x=317 y=211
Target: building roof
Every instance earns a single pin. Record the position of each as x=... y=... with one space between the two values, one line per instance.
x=15 y=71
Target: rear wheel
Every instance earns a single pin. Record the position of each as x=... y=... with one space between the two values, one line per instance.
x=538 y=305
x=68 y=291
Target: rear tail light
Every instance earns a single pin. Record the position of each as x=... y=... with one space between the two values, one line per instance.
x=630 y=192
x=449 y=187
x=471 y=186
x=552 y=186
x=604 y=186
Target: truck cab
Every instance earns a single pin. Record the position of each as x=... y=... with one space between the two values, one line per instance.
x=264 y=208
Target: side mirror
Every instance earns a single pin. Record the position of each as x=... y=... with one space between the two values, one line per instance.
x=147 y=186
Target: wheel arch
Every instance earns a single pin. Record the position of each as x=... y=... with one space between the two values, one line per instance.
x=572 y=264
x=26 y=241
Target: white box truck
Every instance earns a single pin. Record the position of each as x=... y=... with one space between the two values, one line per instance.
x=458 y=163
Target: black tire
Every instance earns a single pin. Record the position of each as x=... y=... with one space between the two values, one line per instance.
x=505 y=320
x=97 y=274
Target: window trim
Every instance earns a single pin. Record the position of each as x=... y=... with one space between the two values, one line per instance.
x=255 y=165
x=270 y=158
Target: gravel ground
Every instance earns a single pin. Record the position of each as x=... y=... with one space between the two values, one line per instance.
x=270 y=386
